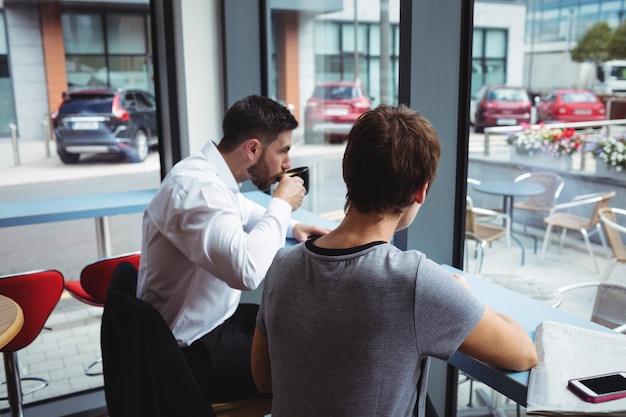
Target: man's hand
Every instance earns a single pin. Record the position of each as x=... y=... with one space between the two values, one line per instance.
x=302 y=232
x=290 y=189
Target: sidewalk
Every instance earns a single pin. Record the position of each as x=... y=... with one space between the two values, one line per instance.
x=33 y=164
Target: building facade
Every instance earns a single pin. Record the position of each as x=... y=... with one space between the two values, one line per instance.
x=47 y=48
x=552 y=29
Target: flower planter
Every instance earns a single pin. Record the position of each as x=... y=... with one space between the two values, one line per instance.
x=543 y=160
x=602 y=170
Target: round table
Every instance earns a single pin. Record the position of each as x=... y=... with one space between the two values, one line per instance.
x=11 y=320
x=509 y=190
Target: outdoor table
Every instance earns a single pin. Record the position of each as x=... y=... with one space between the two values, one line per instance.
x=509 y=190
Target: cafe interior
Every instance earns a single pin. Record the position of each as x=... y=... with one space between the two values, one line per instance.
x=208 y=54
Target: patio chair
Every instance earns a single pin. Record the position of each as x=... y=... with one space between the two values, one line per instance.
x=609 y=305
x=561 y=217
x=614 y=221
x=484 y=232
x=539 y=206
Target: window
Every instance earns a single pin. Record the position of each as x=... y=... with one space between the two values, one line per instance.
x=106 y=50
x=489 y=53
x=7 y=103
x=335 y=55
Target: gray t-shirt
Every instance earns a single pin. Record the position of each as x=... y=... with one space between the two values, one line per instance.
x=349 y=331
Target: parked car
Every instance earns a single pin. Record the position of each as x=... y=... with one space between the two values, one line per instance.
x=500 y=105
x=334 y=107
x=121 y=121
x=570 y=105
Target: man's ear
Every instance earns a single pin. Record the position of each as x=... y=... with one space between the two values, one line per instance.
x=253 y=149
x=420 y=195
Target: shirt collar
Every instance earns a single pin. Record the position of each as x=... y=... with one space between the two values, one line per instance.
x=214 y=157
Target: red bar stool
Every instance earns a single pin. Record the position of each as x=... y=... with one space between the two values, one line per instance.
x=92 y=287
x=37 y=293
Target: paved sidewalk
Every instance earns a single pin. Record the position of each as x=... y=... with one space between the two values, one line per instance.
x=34 y=164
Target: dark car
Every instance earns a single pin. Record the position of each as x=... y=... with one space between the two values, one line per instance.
x=570 y=105
x=334 y=107
x=500 y=105
x=121 y=121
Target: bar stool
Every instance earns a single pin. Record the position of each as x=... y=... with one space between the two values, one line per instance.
x=37 y=293
x=92 y=287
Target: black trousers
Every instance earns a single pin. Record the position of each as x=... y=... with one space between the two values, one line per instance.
x=220 y=360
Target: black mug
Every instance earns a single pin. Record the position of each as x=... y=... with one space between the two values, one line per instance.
x=302 y=172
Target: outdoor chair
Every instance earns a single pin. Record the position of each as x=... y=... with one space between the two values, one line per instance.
x=539 y=206
x=614 y=221
x=37 y=293
x=479 y=228
x=609 y=305
x=92 y=287
x=561 y=217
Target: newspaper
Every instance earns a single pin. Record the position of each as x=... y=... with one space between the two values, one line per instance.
x=567 y=352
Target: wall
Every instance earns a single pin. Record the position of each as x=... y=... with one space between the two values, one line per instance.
x=27 y=69
x=511 y=17
x=200 y=85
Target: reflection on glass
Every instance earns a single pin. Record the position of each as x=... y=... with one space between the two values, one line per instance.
x=351 y=45
x=551 y=28
x=7 y=104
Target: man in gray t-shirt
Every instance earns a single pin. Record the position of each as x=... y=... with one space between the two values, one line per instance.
x=347 y=321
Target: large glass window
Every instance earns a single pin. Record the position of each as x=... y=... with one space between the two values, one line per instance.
x=7 y=103
x=106 y=50
x=100 y=47
x=335 y=57
x=489 y=53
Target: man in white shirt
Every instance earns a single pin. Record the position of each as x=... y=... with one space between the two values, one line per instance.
x=204 y=242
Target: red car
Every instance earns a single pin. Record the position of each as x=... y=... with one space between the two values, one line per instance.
x=333 y=108
x=569 y=105
x=499 y=105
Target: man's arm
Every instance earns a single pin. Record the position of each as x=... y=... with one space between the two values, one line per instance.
x=261 y=367
x=501 y=341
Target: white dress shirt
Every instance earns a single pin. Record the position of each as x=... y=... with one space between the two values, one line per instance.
x=204 y=242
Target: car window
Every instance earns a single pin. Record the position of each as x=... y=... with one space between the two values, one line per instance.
x=129 y=100
x=87 y=104
x=336 y=92
x=508 y=94
x=143 y=101
x=578 y=97
x=619 y=73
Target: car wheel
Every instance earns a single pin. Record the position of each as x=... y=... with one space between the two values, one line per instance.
x=478 y=128
x=140 y=148
x=68 y=158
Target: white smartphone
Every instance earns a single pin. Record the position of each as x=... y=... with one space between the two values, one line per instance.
x=599 y=388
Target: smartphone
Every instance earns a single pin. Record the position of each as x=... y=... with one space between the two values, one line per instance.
x=599 y=388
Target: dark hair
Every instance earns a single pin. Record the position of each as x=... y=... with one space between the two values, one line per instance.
x=255 y=117
x=391 y=153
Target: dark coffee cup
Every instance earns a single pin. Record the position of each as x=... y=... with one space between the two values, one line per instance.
x=302 y=172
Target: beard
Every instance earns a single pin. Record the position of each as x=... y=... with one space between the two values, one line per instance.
x=260 y=174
